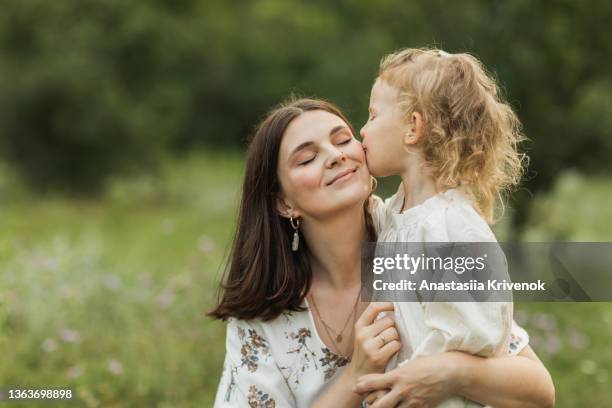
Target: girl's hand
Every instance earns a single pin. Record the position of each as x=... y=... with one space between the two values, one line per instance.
x=421 y=383
x=376 y=341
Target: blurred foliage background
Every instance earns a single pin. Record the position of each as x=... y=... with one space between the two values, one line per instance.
x=122 y=129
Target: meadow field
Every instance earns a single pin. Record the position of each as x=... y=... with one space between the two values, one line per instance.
x=108 y=296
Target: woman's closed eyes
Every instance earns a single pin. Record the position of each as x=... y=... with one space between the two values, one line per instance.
x=310 y=159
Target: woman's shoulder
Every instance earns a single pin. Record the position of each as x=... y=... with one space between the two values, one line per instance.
x=282 y=323
x=274 y=335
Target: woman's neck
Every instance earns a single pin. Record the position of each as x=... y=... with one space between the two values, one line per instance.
x=418 y=184
x=335 y=246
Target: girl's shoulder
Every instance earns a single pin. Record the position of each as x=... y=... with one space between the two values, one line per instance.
x=448 y=216
x=380 y=210
x=460 y=219
x=385 y=212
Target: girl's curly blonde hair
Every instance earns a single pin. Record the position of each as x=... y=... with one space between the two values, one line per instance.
x=471 y=134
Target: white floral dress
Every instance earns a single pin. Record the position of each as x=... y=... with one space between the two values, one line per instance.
x=284 y=363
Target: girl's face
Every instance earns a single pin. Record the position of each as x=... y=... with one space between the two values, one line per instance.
x=321 y=168
x=384 y=132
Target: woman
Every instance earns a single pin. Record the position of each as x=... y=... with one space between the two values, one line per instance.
x=303 y=216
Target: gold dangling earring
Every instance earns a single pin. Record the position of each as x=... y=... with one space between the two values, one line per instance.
x=374 y=184
x=295 y=244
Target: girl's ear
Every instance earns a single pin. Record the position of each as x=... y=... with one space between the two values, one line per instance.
x=417 y=120
x=284 y=208
x=415 y=132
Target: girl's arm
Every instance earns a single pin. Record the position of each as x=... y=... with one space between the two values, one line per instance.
x=519 y=381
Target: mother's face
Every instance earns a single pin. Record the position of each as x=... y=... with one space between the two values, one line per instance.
x=321 y=167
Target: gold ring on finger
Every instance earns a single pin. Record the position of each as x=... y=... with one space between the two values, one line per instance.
x=384 y=341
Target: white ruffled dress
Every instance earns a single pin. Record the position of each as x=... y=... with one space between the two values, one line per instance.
x=425 y=328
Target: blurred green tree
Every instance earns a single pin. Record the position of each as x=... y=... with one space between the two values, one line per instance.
x=91 y=88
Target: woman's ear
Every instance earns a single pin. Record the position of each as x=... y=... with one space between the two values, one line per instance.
x=284 y=208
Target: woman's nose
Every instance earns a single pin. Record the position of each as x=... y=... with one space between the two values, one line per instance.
x=336 y=156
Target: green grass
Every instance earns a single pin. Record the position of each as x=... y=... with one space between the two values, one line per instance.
x=107 y=297
x=573 y=341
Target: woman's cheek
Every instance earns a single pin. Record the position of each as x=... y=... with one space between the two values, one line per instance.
x=359 y=153
x=308 y=180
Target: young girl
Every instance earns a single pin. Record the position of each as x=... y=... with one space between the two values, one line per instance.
x=437 y=120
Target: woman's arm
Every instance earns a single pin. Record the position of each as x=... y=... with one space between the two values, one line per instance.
x=520 y=381
x=251 y=376
x=340 y=393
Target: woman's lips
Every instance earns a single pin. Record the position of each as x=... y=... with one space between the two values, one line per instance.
x=342 y=175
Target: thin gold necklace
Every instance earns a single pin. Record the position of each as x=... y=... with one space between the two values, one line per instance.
x=338 y=336
x=337 y=348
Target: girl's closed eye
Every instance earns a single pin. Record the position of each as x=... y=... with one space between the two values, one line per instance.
x=371 y=116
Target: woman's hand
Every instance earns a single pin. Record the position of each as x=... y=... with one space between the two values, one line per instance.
x=519 y=381
x=422 y=383
x=373 y=396
x=376 y=341
x=370 y=355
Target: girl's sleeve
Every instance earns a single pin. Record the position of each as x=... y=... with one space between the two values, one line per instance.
x=519 y=339
x=480 y=328
x=473 y=327
x=251 y=377
x=467 y=226
x=378 y=211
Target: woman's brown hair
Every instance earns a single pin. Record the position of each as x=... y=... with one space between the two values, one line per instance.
x=264 y=277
